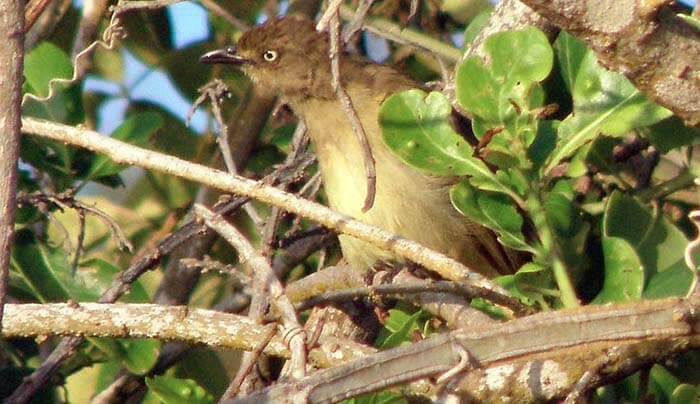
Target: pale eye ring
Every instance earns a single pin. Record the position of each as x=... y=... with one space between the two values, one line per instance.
x=270 y=55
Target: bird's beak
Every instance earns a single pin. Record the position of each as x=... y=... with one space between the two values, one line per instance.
x=226 y=56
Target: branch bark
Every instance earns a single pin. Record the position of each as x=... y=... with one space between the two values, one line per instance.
x=644 y=40
x=11 y=63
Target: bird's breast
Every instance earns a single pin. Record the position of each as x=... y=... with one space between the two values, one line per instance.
x=407 y=202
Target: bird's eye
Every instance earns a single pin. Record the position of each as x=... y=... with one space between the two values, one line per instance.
x=270 y=55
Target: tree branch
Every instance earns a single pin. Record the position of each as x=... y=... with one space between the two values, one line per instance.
x=528 y=359
x=11 y=62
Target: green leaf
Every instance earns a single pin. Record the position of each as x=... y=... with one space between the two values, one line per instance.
x=657 y=242
x=520 y=56
x=519 y=60
x=624 y=275
x=139 y=356
x=604 y=102
x=383 y=397
x=495 y=211
x=478 y=90
x=662 y=383
x=171 y=390
x=671 y=133
x=685 y=393
x=403 y=321
x=570 y=53
x=46 y=270
x=103 y=273
x=415 y=126
x=673 y=282
x=45 y=63
x=544 y=142
x=135 y=130
x=530 y=284
x=475 y=26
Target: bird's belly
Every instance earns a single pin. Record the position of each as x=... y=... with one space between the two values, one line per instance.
x=407 y=203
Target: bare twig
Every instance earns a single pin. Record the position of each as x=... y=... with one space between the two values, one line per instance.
x=650 y=331
x=215 y=91
x=395 y=33
x=248 y=255
x=67 y=200
x=328 y=15
x=357 y=20
x=344 y=98
x=413 y=11
x=11 y=64
x=216 y=9
x=79 y=244
x=32 y=12
x=260 y=296
x=92 y=12
x=128 y=154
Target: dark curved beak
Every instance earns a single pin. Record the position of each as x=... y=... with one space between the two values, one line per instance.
x=227 y=56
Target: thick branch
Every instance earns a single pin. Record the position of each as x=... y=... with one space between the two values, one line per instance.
x=644 y=40
x=127 y=154
x=167 y=323
x=535 y=340
x=11 y=61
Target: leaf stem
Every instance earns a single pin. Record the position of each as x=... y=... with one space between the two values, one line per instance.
x=549 y=251
x=683 y=180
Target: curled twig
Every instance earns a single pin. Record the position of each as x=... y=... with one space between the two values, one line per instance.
x=113 y=33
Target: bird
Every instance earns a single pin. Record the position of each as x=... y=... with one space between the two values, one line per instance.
x=288 y=56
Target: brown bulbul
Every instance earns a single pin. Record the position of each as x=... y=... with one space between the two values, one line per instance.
x=289 y=57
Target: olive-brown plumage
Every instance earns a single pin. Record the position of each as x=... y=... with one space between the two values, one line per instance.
x=288 y=56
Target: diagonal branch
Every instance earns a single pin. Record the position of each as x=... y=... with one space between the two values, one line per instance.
x=127 y=154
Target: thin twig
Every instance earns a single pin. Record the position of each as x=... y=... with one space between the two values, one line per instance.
x=357 y=20
x=32 y=12
x=395 y=33
x=215 y=91
x=221 y=12
x=91 y=14
x=328 y=15
x=344 y=98
x=413 y=11
x=79 y=244
x=111 y=35
x=401 y=289
x=248 y=255
x=67 y=200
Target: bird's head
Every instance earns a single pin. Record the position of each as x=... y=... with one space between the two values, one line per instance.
x=286 y=55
